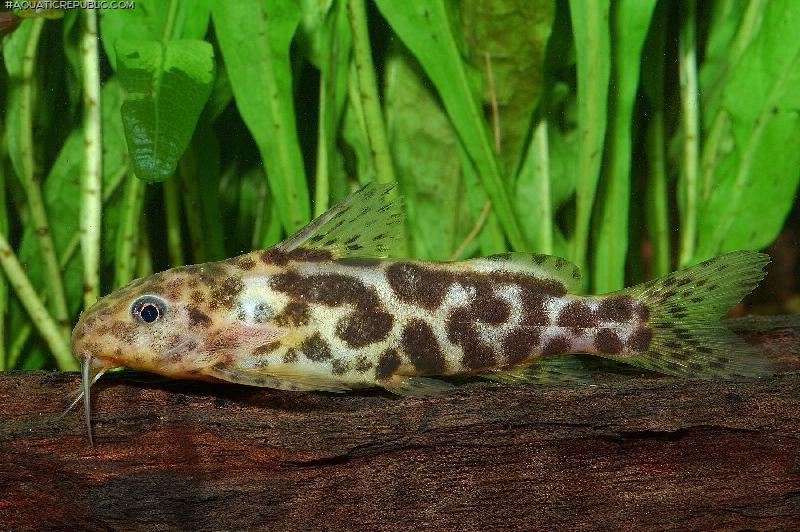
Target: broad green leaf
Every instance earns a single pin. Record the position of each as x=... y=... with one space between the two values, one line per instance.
x=199 y=171
x=153 y=20
x=512 y=35
x=733 y=25
x=592 y=44
x=751 y=179
x=254 y=38
x=426 y=30
x=631 y=19
x=167 y=86
x=425 y=152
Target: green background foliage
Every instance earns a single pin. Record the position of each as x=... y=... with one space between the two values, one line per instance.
x=583 y=129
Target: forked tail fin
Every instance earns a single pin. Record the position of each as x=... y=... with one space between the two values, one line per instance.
x=685 y=309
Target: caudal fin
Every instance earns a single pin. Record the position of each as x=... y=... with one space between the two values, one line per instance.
x=685 y=309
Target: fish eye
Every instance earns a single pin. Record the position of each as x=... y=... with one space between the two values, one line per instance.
x=148 y=308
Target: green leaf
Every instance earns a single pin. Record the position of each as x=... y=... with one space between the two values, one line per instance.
x=425 y=152
x=167 y=85
x=425 y=29
x=751 y=176
x=254 y=38
x=513 y=34
x=592 y=44
x=153 y=20
x=631 y=19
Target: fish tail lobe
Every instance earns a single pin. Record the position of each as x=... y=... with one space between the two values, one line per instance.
x=684 y=334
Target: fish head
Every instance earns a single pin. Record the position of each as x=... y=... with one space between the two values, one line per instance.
x=176 y=322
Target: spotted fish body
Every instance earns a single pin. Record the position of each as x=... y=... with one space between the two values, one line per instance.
x=323 y=311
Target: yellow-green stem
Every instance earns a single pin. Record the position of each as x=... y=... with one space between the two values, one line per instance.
x=92 y=180
x=49 y=329
x=368 y=92
x=30 y=183
x=690 y=123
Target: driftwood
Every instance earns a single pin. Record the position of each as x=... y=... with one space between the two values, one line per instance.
x=631 y=452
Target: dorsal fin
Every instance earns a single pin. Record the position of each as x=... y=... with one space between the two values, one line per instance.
x=541 y=266
x=367 y=223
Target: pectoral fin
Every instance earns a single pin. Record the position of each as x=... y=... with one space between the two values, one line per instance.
x=276 y=377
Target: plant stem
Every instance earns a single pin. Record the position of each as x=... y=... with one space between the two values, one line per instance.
x=368 y=92
x=691 y=133
x=22 y=334
x=173 y=214
x=592 y=41
x=128 y=233
x=30 y=182
x=541 y=151
x=92 y=181
x=49 y=329
x=3 y=232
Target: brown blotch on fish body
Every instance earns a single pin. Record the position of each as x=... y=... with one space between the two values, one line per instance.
x=281 y=257
x=618 y=309
x=534 y=310
x=388 y=363
x=639 y=340
x=331 y=290
x=418 y=285
x=246 y=263
x=226 y=294
x=362 y=364
x=576 y=315
x=361 y=328
x=294 y=314
x=519 y=343
x=197 y=317
x=316 y=349
x=607 y=341
x=461 y=331
x=421 y=347
x=174 y=288
x=197 y=297
x=290 y=356
x=556 y=345
x=267 y=348
x=339 y=366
